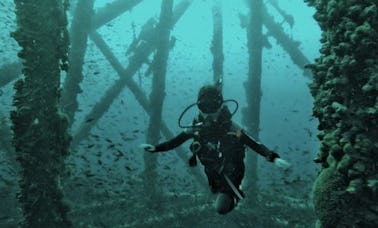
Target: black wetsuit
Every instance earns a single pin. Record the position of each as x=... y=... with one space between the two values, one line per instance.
x=220 y=146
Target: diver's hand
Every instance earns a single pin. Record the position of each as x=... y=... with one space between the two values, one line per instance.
x=282 y=163
x=148 y=147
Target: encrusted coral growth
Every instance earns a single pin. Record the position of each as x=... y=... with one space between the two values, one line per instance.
x=345 y=89
x=40 y=130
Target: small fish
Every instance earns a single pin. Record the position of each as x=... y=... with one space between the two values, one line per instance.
x=7 y=182
x=95 y=136
x=90 y=146
x=108 y=140
x=88 y=174
x=89 y=120
x=99 y=184
x=128 y=138
x=84 y=158
x=309 y=132
x=119 y=153
x=4 y=217
x=111 y=146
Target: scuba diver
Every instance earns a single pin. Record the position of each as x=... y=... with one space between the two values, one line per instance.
x=219 y=144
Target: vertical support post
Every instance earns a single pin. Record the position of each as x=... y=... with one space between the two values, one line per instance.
x=345 y=89
x=251 y=114
x=81 y=26
x=217 y=44
x=157 y=95
x=40 y=129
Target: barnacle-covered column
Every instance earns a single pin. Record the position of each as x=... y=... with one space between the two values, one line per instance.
x=345 y=89
x=40 y=130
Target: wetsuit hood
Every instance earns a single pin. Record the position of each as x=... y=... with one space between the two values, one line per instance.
x=210 y=99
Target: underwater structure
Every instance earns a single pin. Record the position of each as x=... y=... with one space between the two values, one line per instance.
x=345 y=89
x=40 y=135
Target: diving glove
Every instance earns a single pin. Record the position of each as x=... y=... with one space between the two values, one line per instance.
x=281 y=163
x=148 y=147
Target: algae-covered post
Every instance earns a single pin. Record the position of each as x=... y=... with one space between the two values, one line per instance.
x=217 y=44
x=251 y=113
x=40 y=129
x=345 y=89
x=157 y=95
x=159 y=69
x=81 y=25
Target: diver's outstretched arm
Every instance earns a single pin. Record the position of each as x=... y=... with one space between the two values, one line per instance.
x=262 y=149
x=256 y=146
x=168 y=145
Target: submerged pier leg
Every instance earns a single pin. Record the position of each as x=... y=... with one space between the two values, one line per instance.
x=40 y=129
x=345 y=90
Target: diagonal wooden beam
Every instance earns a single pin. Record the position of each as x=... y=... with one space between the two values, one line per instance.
x=83 y=23
x=112 y=11
x=141 y=54
x=148 y=31
x=124 y=80
x=9 y=72
x=100 y=108
x=289 y=45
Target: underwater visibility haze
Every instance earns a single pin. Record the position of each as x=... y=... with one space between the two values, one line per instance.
x=85 y=85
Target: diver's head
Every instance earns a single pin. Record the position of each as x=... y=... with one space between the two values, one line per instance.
x=210 y=99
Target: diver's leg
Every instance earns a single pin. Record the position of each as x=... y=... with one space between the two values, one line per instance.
x=213 y=179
